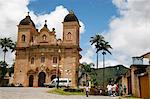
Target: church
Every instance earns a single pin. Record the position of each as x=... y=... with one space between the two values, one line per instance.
x=41 y=57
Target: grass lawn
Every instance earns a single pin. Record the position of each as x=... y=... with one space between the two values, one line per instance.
x=61 y=92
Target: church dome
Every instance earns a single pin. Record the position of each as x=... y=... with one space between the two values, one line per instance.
x=71 y=17
x=27 y=21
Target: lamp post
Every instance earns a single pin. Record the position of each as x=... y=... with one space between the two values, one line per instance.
x=59 y=51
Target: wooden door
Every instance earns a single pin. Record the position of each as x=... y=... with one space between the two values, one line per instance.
x=144 y=86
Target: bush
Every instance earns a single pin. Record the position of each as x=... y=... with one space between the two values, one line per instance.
x=94 y=91
x=73 y=90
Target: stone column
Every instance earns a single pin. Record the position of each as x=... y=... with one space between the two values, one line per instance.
x=148 y=71
x=135 y=82
x=47 y=80
x=26 y=81
x=35 y=82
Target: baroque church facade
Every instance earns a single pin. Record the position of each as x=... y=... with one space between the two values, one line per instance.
x=40 y=57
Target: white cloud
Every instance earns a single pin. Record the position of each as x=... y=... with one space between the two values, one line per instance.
x=129 y=33
x=88 y=56
x=12 y=12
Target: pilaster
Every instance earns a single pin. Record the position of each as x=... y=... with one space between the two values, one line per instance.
x=148 y=71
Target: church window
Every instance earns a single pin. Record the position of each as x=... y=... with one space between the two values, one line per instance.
x=54 y=60
x=32 y=39
x=42 y=59
x=32 y=60
x=69 y=36
x=23 y=38
x=44 y=37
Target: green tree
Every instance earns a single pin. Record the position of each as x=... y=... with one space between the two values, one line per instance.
x=3 y=69
x=11 y=69
x=97 y=41
x=105 y=49
x=7 y=43
x=86 y=70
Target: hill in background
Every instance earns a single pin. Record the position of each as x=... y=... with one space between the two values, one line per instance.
x=111 y=73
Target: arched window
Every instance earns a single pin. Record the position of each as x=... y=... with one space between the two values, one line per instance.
x=55 y=60
x=44 y=37
x=42 y=59
x=32 y=60
x=32 y=39
x=69 y=36
x=23 y=38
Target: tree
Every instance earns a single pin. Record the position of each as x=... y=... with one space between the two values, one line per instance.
x=97 y=41
x=3 y=69
x=105 y=49
x=7 y=43
x=11 y=69
x=85 y=70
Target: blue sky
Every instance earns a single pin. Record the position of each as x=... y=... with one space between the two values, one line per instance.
x=124 y=24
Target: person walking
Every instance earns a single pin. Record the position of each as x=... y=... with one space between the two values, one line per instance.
x=124 y=89
x=117 y=90
x=109 y=89
x=120 y=90
x=87 y=90
x=114 y=89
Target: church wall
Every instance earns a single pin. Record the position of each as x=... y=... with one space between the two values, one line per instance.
x=36 y=45
x=21 y=66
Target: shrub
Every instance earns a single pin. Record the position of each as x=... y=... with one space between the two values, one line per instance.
x=73 y=90
x=94 y=91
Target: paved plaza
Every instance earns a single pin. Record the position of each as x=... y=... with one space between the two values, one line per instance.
x=39 y=93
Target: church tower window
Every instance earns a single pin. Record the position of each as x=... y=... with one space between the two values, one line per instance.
x=32 y=60
x=44 y=37
x=32 y=39
x=23 y=38
x=55 y=60
x=69 y=36
x=42 y=59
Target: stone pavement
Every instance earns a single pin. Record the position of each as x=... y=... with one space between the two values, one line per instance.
x=39 y=93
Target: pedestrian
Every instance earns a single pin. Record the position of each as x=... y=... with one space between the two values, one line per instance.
x=120 y=90
x=117 y=90
x=124 y=89
x=114 y=89
x=87 y=90
x=109 y=89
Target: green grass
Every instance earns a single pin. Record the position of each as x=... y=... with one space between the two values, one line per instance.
x=61 y=92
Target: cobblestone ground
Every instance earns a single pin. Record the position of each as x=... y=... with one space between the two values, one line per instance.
x=39 y=93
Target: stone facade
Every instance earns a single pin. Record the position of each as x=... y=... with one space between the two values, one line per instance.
x=40 y=57
x=140 y=77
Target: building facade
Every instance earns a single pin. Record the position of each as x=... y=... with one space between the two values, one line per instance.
x=137 y=79
x=40 y=57
x=140 y=76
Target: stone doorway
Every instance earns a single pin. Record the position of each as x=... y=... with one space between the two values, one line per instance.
x=41 y=79
x=31 y=79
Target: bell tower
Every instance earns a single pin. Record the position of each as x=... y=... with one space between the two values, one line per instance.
x=71 y=29
x=26 y=30
x=71 y=45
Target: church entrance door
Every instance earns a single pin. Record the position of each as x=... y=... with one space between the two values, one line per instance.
x=31 y=78
x=41 y=79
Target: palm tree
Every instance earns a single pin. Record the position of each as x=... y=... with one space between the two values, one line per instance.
x=97 y=41
x=3 y=69
x=105 y=48
x=85 y=70
x=7 y=43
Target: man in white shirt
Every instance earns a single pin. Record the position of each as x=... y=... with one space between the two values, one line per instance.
x=109 y=88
